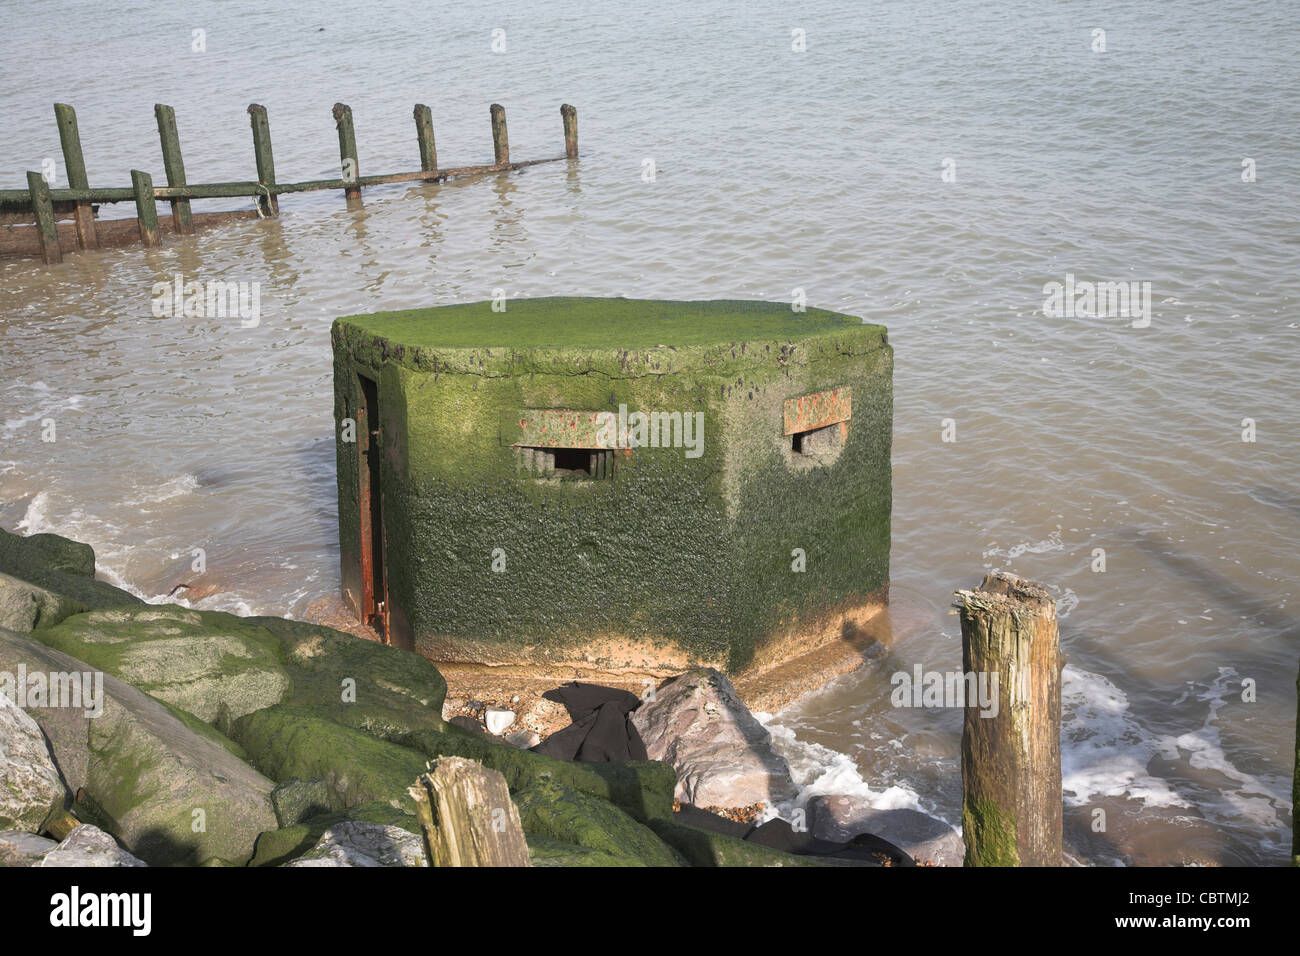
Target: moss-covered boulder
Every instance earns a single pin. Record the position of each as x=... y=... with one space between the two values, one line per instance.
x=171 y=791
x=25 y=606
x=210 y=665
x=61 y=567
x=641 y=788
x=221 y=667
x=385 y=691
x=706 y=848
x=49 y=551
x=550 y=809
x=285 y=742
x=277 y=847
x=543 y=851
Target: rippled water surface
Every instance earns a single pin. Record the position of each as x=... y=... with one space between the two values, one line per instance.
x=775 y=170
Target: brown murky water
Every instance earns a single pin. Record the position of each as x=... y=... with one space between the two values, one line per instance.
x=775 y=170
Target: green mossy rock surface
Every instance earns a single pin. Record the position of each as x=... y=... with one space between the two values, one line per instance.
x=543 y=851
x=644 y=788
x=705 y=848
x=285 y=742
x=548 y=808
x=62 y=567
x=221 y=667
x=209 y=664
x=24 y=607
x=49 y=551
x=148 y=773
x=277 y=847
x=396 y=692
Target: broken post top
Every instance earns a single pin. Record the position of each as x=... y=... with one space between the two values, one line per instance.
x=1007 y=592
x=679 y=329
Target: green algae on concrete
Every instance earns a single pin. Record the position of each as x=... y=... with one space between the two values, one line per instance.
x=744 y=551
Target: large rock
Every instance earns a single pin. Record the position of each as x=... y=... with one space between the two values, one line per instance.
x=278 y=847
x=290 y=742
x=549 y=809
x=19 y=848
x=298 y=800
x=722 y=754
x=88 y=845
x=30 y=787
x=50 y=551
x=210 y=665
x=385 y=691
x=925 y=838
x=25 y=607
x=364 y=844
x=60 y=567
x=147 y=772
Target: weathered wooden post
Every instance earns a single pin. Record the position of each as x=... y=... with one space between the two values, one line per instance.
x=424 y=133
x=500 y=138
x=570 y=116
x=347 y=149
x=74 y=163
x=182 y=221
x=467 y=816
x=267 y=202
x=1011 y=754
x=39 y=190
x=146 y=208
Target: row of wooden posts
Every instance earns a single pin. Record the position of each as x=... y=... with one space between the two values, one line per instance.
x=43 y=205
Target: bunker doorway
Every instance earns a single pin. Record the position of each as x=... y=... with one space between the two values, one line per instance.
x=370 y=447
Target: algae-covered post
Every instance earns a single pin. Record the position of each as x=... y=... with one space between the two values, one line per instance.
x=267 y=201
x=182 y=221
x=617 y=488
x=146 y=208
x=500 y=138
x=44 y=210
x=424 y=133
x=1011 y=754
x=570 y=117
x=347 y=150
x=74 y=164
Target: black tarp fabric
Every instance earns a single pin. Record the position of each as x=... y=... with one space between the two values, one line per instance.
x=601 y=730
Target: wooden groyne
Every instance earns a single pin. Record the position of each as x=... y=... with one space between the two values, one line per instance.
x=46 y=222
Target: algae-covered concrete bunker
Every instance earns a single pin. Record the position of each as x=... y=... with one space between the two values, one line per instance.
x=613 y=489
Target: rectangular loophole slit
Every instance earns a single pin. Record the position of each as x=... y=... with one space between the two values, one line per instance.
x=579 y=463
x=817 y=441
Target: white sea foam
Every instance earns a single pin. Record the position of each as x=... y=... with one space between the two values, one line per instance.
x=1106 y=752
x=1051 y=543
x=819 y=770
x=171 y=488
